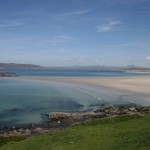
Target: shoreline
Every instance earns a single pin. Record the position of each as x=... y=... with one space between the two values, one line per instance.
x=57 y=121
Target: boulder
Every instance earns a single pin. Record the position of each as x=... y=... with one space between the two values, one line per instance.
x=89 y=115
x=58 y=116
x=132 y=108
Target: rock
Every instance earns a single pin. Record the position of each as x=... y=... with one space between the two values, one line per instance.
x=70 y=118
x=27 y=131
x=14 y=131
x=84 y=116
x=21 y=130
x=58 y=116
x=132 y=109
x=37 y=130
x=117 y=110
x=58 y=122
x=145 y=109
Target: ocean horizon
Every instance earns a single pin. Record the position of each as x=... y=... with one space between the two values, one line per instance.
x=70 y=73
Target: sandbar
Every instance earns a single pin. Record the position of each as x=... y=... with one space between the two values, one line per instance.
x=137 y=84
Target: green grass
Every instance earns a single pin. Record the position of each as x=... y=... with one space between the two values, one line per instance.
x=120 y=133
x=6 y=139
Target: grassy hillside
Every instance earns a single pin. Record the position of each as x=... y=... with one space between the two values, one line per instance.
x=120 y=133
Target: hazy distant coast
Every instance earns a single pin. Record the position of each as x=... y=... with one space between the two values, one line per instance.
x=92 y=67
x=139 y=71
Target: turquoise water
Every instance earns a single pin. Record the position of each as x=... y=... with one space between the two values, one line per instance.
x=22 y=101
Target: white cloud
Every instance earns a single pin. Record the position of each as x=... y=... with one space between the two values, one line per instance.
x=80 y=60
x=59 y=40
x=108 y=27
x=98 y=61
x=148 y=58
x=11 y=23
x=64 y=37
x=80 y=12
x=61 y=50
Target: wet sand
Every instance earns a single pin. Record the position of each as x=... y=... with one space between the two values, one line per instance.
x=139 y=85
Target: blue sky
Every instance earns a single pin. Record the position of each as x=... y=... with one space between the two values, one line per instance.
x=75 y=32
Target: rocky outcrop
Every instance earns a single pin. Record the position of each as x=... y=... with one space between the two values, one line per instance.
x=57 y=116
x=104 y=111
x=123 y=110
x=57 y=121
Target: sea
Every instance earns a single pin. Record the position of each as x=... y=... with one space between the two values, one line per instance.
x=25 y=101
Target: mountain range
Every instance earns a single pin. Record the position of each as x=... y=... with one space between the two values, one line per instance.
x=32 y=66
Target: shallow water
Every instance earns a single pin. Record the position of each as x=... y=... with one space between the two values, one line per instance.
x=22 y=101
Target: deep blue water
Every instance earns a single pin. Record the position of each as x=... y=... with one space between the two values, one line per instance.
x=70 y=73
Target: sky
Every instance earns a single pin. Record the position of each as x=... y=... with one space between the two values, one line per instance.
x=75 y=32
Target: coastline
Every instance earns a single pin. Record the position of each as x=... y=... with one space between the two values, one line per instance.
x=57 y=121
x=139 y=85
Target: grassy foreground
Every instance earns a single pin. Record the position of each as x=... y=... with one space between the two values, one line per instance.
x=120 y=133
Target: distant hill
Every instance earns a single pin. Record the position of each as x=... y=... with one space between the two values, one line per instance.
x=100 y=68
x=14 y=65
x=97 y=68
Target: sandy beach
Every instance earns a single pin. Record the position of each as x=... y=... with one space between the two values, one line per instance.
x=139 y=85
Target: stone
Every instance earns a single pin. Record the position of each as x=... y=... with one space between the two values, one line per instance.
x=132 y=109
x=84 y=116
x=58 y=116
x=27 y=131
x=58 y=122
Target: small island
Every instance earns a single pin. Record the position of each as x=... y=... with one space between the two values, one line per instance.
x=6 y=74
